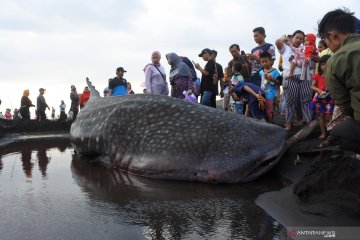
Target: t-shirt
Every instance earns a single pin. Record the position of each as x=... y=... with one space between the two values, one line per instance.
x=236 y=78
x=267 y=47
x=41 y=103
x=321 y=84
x=288 y=55
x=62 y=107
x=118 y=86
x=207 y=80
x=269 y=87
x=220 y=73
x=253 y=102
x=240 y=92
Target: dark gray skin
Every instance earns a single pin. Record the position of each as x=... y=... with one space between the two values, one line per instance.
x=163 y=137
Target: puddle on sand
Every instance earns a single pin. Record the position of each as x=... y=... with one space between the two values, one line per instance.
x=47 y=192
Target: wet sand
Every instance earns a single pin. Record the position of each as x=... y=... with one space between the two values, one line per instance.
x=48 y=192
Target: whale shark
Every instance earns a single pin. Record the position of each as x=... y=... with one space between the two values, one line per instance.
x=163 y=137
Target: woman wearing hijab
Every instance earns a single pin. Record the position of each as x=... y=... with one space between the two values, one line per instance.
x=180 y=76
x=155 y=76
x=25 y=105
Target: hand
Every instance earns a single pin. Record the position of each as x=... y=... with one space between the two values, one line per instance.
x=197 y=66
x=290 y=76
x=267 y=76
x=48 y=108
x=321 y=93
x=252 y=57
x=262 y=101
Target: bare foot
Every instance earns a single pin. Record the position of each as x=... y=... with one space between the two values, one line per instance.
x=324 y=144
x=321 y=137
x=287 y=126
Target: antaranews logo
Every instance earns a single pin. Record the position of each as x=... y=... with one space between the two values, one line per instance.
x=292 y=233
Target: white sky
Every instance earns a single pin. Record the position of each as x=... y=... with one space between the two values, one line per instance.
x=56 y=43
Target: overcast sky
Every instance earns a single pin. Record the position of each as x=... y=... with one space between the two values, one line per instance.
x=54 y=44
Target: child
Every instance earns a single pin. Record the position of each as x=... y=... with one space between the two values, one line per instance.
x=322 y=102
x=270 y=79
x=227 y=86
x=8 y=115
x=189 y=96
x=254 y=95
x=16 y=114
x=303 y=59
x=237 y=105
x=322 y=45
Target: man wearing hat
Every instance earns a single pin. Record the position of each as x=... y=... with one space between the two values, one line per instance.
x=118 y=85
x=41 y=105
x=207 y=88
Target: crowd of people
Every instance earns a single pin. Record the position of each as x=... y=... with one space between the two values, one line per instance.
x=307 y=82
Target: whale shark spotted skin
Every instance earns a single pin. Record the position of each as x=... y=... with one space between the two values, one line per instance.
x=167 y=138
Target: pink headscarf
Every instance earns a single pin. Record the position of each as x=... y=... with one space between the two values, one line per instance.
x=155 y=53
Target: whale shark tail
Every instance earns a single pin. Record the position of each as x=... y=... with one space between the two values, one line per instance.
x=93 y=91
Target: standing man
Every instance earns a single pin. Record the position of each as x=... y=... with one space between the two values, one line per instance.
x=118 y=85
x=254 y=57
x=41 y=105
x=74 y=107
x=209 y=73
x=220 y=78
x=342 y=74
x=237 y=57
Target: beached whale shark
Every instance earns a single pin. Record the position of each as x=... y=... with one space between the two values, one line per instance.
x=167 y=138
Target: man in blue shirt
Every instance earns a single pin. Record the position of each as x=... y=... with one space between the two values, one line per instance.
x=118 y=85
x=254 y=57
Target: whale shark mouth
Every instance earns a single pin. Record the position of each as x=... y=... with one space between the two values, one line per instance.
x=264 y=166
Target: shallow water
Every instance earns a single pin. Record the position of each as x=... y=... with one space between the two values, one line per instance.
x=47 y=192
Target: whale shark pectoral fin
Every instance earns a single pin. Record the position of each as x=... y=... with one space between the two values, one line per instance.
x=93 y=91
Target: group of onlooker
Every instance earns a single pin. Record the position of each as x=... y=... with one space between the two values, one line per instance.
x=313 y=81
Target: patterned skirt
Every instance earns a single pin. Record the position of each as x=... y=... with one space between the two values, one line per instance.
x=322 y=105
x=181 y=84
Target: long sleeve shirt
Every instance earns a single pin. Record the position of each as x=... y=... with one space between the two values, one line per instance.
x=41 y=103
x=155 y=81
x=342 y=76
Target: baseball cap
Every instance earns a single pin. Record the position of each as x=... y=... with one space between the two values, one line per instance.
x=120 y=69
x=205 y=50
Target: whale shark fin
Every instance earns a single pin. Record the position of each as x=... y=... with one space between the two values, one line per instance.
x=93 y=91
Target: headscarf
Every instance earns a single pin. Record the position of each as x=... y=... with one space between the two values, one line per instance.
x=311 y=38
x=178 y=68
x=26 y=93
x=155 y=53
x=187 y=61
